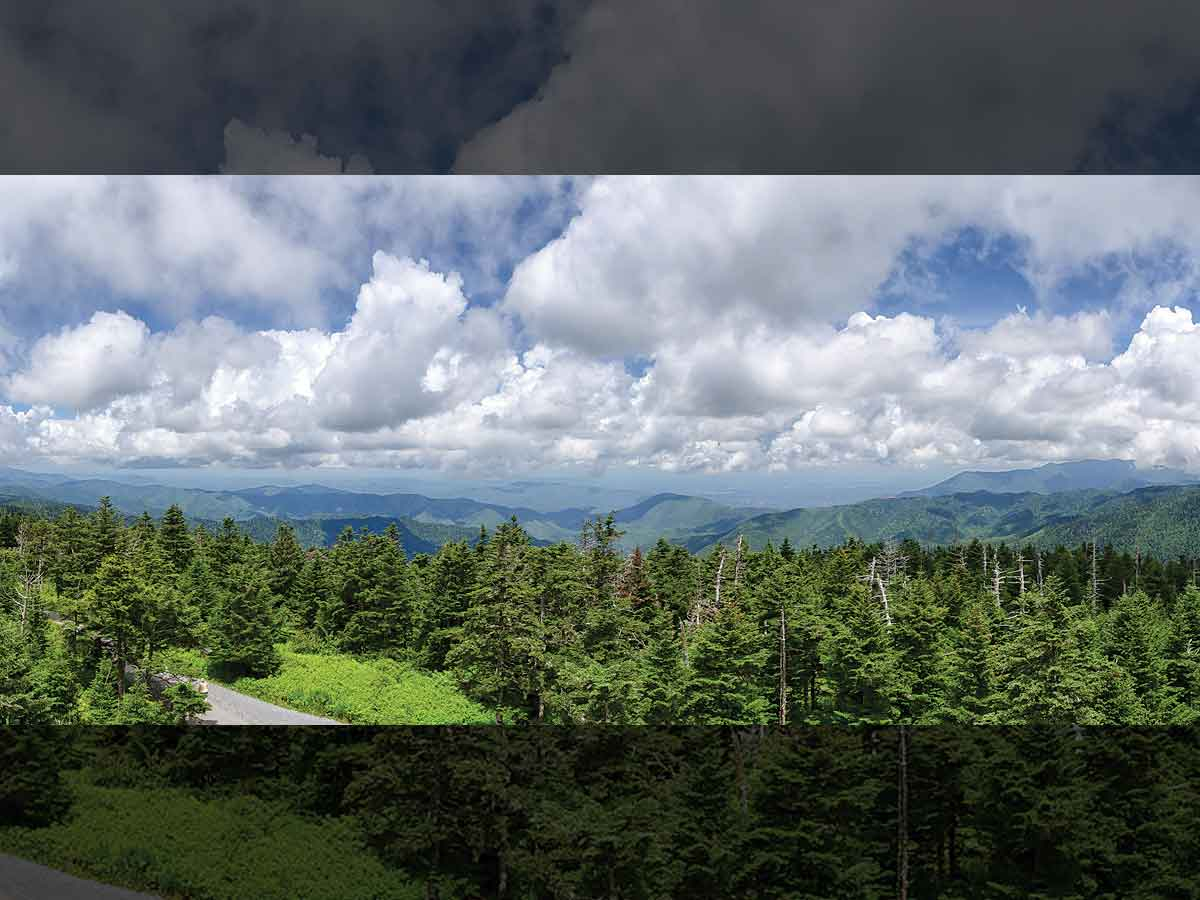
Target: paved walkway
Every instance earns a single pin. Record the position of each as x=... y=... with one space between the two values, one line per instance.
x=23 y=880
x=231 y=708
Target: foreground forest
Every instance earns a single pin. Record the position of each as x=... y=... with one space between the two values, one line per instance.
x=583 y=634
x=630 y=813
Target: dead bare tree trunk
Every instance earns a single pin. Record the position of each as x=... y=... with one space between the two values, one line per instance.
x=30 y=578
x=996 y=582
x=737 y=565
x=887 y=612
x=720 y=572
x=885 y=567
x=1021 y=572
x=743 y=786
x=783 y=661
x=902 y=817
x=541 y=712
x=1096 y=581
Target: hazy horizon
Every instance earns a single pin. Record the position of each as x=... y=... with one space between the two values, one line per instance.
x=550 y=491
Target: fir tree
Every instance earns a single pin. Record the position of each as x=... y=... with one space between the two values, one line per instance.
x=1182 y=654
x=1044 y=668
x=862 y=663
x=175 y=538
x=500 y=655
x=244 y=632
x=1135 y=639
x=104 y=531
x=724 y=684
x=286 y=559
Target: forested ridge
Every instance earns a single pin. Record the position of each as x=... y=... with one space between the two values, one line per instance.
x=582 y=634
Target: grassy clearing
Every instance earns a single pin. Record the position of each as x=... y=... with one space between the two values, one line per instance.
x=177 y=845
x=365 y=692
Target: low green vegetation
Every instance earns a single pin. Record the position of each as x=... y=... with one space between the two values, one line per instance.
x=364 y=692
x=182 y=661
x=179 y=845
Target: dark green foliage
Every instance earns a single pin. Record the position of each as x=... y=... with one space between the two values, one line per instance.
x=1042 y=811
x=585 y=634
x=286 y=559
x=501 y=652
x=176 y=539
x=725 y=658
x=244 y=630
x=32 y=792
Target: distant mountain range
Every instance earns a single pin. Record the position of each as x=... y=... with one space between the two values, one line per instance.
x=1119 y=475
x=1156 y=510
x=320 y=513
x=1161 y=519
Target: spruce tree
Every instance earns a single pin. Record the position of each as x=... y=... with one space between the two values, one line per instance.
x=104 y=531
x=72 y=545
x=501 y=653
x=561 y=588
x=1135 y=637
x=143 y=531
x=445 y=596
x=1183 y=657
x=386 y=597
x=175 y=538
x=967 y=685
x=226 y=550
x=664 y=675
x=286 y=560
x=244 y=631
x=1044 y=666
x=201 y=593
x=725 y=683
x=919 y=639
x=311 y=593
x=862 y=663
x=118 y=607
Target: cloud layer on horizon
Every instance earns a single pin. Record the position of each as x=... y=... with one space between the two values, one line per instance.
x=681 y=324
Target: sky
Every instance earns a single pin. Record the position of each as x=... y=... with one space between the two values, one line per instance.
x=834 y=330
x=599 y=86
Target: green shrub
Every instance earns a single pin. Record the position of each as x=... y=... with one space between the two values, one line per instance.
x=365 y=692
x=179 y=661
x=32 y=792
x=172 y=843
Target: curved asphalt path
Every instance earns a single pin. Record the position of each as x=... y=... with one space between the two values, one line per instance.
x=231 y=708
x=23 y=880
x=228 y=707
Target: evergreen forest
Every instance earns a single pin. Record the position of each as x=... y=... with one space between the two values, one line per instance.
x=584 y=634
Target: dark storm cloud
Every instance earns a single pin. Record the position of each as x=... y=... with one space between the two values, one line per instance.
x=599 y=86
x=925 y=86
x=142 y=86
